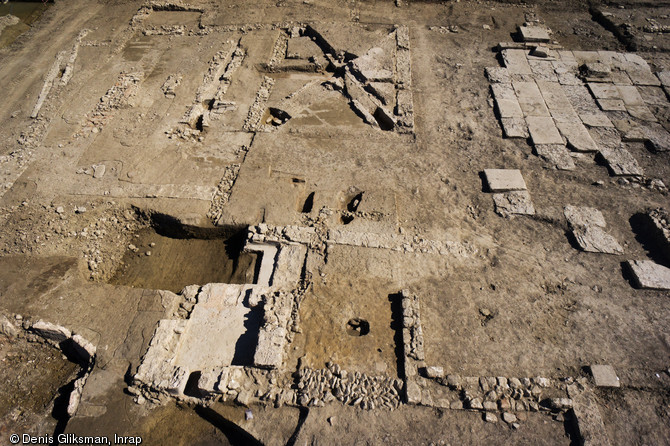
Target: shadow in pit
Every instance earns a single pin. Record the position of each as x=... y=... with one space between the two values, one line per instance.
x=647 y=235
x=572 y=429
x=396 y=325
x=628 y=275
x=234 y=433
x=245 y=347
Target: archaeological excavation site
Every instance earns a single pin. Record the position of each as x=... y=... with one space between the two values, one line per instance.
x=335 y=222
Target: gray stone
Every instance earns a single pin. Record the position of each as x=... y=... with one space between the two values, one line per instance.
x=604 y=91
x=497 y=75
x=611 y=105
x=649 y=275
x=589 y=421
x=587 y=226
x=543 y=130
x=475 y=403
x=641 y=112
x=51 y=331
x=509 y=418
x=413 y=392
x=490 y=417
x=576 y=135
x=514 y=127
x=7 y=328
x=555 y=154
x=534 y=33
x=530 y=99
x=513 y=202
x=503 y=180
x=595 y=239
x=560 y=403
x=516 y=62
x=595 y=120
x=434 y=372
x=620 y=161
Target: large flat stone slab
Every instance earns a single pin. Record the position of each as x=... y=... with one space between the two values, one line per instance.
x=604 y=376
x=534 y=33
x=555 y=154
x=504 y=180
x=530 y=99
x=514 y=127
x=588 y=229
x=576 y=135
x=513 y=203
x=649 y=275
x=620 y=161
x=543 y=130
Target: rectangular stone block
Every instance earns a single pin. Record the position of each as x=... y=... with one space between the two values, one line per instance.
x=534 y=33
x=503 y=180
x=577 y=136
x=630 y=95
x=621 y=162
x=554 y=96
x=555 y=154
x=543 y=130
x=649 y=275
x=509 y=108
x=604 y=91
x=595 y=120
x=497 y=75
x=611 y=104
x=516 y=61
x=530 y=99
x=604 y=376
x=514 y=127
x=513 y=203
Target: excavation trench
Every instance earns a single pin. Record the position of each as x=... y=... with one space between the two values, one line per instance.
x=168 y=255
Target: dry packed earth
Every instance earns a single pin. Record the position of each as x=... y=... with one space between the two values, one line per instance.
x=312 y=222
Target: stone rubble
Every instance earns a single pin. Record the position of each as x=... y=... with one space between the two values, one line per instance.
x=320 y=387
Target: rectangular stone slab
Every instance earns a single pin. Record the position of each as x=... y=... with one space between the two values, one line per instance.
x=649 y=275
x=513 y=203
x=514 y=127
x=620 y=161
x=530 y=99
x=604 y=376
x=543 y=130
x=503 y=180
x=534 y=33
x=577 y=136
x=555 y=154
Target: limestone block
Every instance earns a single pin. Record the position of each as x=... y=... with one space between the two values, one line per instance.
x=650 y=275
x=503 y=180
x=604 y=376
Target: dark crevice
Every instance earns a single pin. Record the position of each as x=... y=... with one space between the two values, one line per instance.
x=353 y=204
x=396 y=325
x=651 y=238
x=309 y=204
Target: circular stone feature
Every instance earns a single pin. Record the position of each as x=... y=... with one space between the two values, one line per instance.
x=358 y=327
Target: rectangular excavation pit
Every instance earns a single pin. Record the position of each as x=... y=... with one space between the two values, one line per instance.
x=170 y=256
x=351 y=323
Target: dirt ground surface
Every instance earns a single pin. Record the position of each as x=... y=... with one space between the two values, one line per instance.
x=141 y=141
